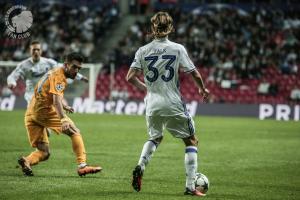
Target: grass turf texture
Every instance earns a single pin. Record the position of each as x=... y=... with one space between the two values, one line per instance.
x=243 y=159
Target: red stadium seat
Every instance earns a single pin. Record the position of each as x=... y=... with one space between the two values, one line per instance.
x=189 y=91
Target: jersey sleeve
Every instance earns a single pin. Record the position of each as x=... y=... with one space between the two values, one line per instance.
x=185 y=61
x=17 y=73
x=136 y=64
x=57 y=85
x=78 y=76
x=52 y=63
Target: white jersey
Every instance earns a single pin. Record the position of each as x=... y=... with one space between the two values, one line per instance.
x=31 y=72
x=160 y=61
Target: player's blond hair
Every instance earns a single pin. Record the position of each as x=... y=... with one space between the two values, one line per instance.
x=161 y=24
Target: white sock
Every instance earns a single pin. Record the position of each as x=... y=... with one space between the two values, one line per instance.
x=191 y=165
x=148 y=149
x=81 y=165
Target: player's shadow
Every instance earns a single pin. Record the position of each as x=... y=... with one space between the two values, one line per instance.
x=66 y=176
x=49 y=176
x=40 y=175
x=140 y=195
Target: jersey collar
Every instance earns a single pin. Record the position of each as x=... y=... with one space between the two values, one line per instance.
x=34 y=62
x=161 y=39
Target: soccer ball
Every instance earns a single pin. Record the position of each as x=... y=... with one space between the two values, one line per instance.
x=201 y=183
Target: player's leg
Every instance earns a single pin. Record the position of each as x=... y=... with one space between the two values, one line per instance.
x=191 y=165
x=42 y=153
x=155 y=128
x=38 y=138
x=182 y=126
x=78 y=148
x=149 y=148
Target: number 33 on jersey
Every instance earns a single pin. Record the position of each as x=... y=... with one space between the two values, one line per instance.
x=160 y=60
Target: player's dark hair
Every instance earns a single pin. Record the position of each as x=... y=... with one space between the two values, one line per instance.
x=74 y=56
x=34 y=42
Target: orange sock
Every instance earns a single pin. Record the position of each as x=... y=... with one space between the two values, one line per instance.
x=78 y=148
x=35 y=157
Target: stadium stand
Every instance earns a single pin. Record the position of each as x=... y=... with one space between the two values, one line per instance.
x=71 y=27
x=234 y=49
x=79 y=27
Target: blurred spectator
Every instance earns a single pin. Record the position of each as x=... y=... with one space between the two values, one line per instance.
x=295 y=94
x=273 y=89
x=263 y=88
x=133 y=6
x=144 y=5
x=267 y=88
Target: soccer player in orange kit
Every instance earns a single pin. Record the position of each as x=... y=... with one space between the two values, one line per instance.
x=46 y=110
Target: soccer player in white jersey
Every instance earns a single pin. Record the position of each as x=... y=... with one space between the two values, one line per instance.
x=159 y=62
x=32 y=69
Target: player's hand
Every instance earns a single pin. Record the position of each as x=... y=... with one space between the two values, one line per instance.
x=69 y=109
x=11 y=86
x=84 y=79
x=205 y=94
x=65 y=126
x=68 y=128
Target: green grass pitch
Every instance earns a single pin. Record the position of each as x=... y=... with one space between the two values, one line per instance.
x=243 y=158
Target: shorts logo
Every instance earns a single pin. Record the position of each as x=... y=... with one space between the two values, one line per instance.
x=18 y=20
x=59 y=87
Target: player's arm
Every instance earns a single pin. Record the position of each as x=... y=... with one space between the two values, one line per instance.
x=135 y=70
x=56 y=88
x=199 y=82
x=189 y=67
x=14 y=76
x=66 y=107
x=81 y=77
x=133 y=79
x=66 y=125
x=57 y=102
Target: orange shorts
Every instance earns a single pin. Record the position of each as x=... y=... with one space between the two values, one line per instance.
x=36 y=127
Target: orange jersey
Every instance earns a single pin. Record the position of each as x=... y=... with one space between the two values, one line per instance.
x=53 y=82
